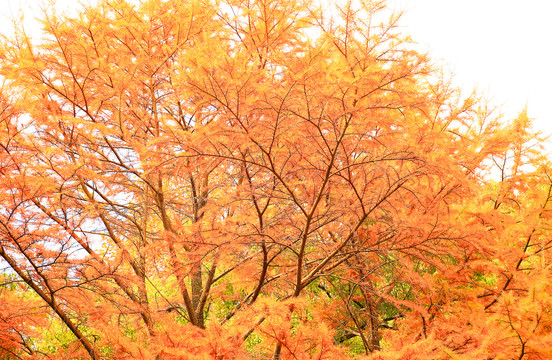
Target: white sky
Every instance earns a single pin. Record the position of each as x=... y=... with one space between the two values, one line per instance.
x=502 y=47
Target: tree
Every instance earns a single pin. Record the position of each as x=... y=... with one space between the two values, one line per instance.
x=245 y=178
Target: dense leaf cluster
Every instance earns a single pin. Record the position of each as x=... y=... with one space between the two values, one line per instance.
x=260 y=179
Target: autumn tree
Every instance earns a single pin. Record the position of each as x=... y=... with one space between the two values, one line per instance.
x=491 y=302
x=234 y=179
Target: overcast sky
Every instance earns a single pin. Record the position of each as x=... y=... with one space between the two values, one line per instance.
x=502 y=47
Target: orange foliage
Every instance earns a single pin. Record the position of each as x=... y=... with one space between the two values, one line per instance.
x=248 y=179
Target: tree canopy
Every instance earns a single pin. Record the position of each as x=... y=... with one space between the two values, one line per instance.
x=258 y=179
